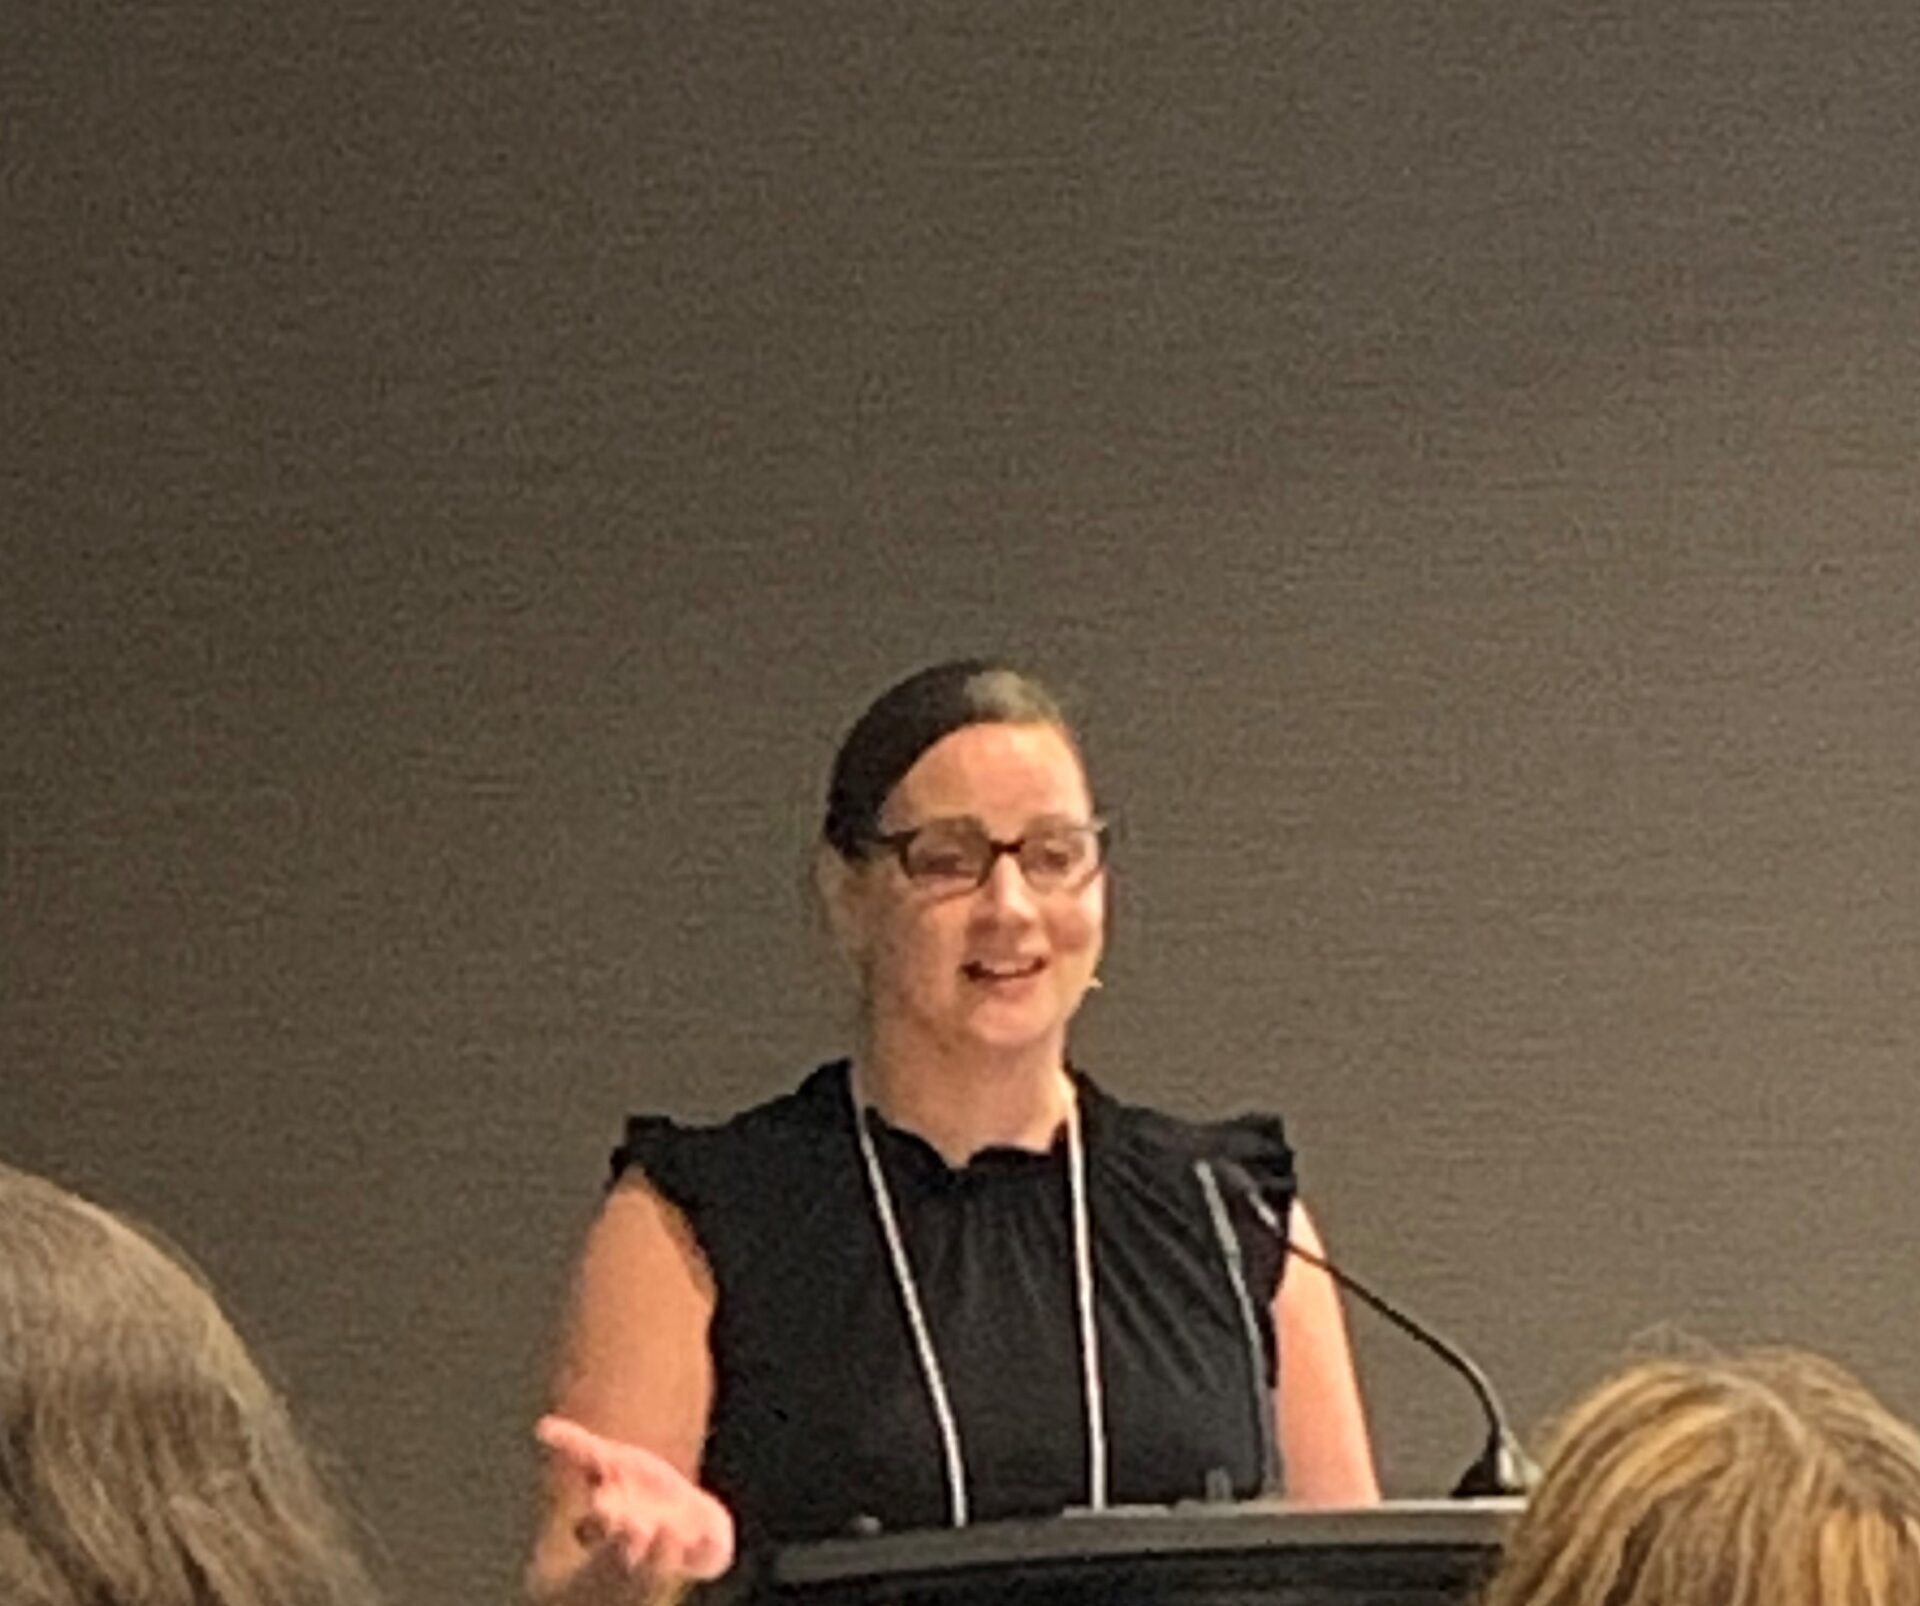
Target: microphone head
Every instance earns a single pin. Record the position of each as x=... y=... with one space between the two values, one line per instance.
x=1502 y=1468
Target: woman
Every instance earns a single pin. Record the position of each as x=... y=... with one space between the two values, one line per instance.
x=1772 y=1479
x=998 y=1291
x=143 y=1458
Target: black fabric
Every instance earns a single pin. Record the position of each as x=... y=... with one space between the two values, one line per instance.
x=821 y=1413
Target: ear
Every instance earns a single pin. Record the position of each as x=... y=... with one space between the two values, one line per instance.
x=841 y=888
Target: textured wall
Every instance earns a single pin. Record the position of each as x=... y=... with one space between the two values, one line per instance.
x=463 y=465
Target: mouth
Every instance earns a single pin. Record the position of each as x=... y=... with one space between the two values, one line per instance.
x=997 y=972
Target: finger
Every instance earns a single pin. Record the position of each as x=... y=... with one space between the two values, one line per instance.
x=629 y=1534
x=707 y=1532
x=666 y=1557
x=621 y=1512
x=568 y=1438
x=639 y=1469
x=707 y=1557
x=709 y=1517
x=714 y=1513
x=640 y=1547
x=606 y=1458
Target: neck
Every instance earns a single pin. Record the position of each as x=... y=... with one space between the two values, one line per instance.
x=963 y=1103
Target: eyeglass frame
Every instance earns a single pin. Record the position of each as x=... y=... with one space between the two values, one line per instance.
x=898 y=842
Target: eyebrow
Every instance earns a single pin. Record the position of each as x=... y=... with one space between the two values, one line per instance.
x=1036 y=822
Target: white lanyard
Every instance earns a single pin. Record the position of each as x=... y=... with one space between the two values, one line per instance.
x=923 y=1339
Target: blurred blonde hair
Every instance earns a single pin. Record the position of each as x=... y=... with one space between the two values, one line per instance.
x=143 y=1458
x=1767 y=1479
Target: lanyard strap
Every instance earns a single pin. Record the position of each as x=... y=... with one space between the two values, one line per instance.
x=956 y=1467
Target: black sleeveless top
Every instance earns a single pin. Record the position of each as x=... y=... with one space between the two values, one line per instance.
x=821 y=1412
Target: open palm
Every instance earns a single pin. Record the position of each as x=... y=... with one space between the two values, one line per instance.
x=653 y=1516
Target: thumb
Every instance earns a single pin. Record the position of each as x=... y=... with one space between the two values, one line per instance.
x=568 y=1439
x=606 y=1460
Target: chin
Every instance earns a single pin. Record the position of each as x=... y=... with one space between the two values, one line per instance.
x=1015 y=1037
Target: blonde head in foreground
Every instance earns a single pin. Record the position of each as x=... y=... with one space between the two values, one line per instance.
x=1769 y=1479
x=143 y=1458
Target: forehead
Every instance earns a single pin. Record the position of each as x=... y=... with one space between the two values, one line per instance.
x=1003 y=775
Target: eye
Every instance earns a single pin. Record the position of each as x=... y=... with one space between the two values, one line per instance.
x=1057 y=854
x=944 y=855
x=945 y=859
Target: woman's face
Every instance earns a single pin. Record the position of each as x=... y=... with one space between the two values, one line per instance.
x=998 y=966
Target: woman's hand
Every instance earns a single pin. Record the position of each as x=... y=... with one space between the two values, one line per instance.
x=642 y=1509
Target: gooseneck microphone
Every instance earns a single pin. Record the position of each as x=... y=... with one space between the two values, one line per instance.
x=1228 y=1241
x=1503 y=1466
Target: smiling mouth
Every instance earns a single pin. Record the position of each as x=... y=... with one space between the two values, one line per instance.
x=1002 y=970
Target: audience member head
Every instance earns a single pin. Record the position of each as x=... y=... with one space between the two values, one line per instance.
x=143 y=1457
x=1768 y=1479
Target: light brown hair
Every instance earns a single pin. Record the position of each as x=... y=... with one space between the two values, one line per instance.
x=143 y=1457
x=1768 y=1479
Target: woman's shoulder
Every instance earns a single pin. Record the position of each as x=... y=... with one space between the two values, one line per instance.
x=675 y=1154
x=1255 y=1143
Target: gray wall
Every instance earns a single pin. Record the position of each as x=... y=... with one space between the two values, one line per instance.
x=462 y=467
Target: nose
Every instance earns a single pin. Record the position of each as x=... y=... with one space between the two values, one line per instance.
x=1005 y=889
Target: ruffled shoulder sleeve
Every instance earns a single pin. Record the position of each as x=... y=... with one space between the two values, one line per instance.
x=1248 y=1156
x=674 y=1160
x=1249 y=1153
x=1253 y=1150
x=735 y=1182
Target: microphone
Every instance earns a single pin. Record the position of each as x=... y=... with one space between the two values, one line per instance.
x=1503 y=1466
x=1228 y=1242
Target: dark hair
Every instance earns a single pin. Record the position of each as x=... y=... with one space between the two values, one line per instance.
x=908 y=718
x=143 y=1457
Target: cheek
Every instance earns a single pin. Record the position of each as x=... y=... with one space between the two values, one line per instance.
x=911 y=943
x=1082 y=926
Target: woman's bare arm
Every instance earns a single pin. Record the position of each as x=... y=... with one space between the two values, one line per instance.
x=1317 y=1413
x=634 y=1366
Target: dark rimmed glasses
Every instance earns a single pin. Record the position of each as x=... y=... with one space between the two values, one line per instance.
x=957 y=854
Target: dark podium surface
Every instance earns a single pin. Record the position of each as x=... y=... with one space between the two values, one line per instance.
x=1405 y=1553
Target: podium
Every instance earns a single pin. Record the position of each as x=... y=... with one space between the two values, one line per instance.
x=1404 y=1553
